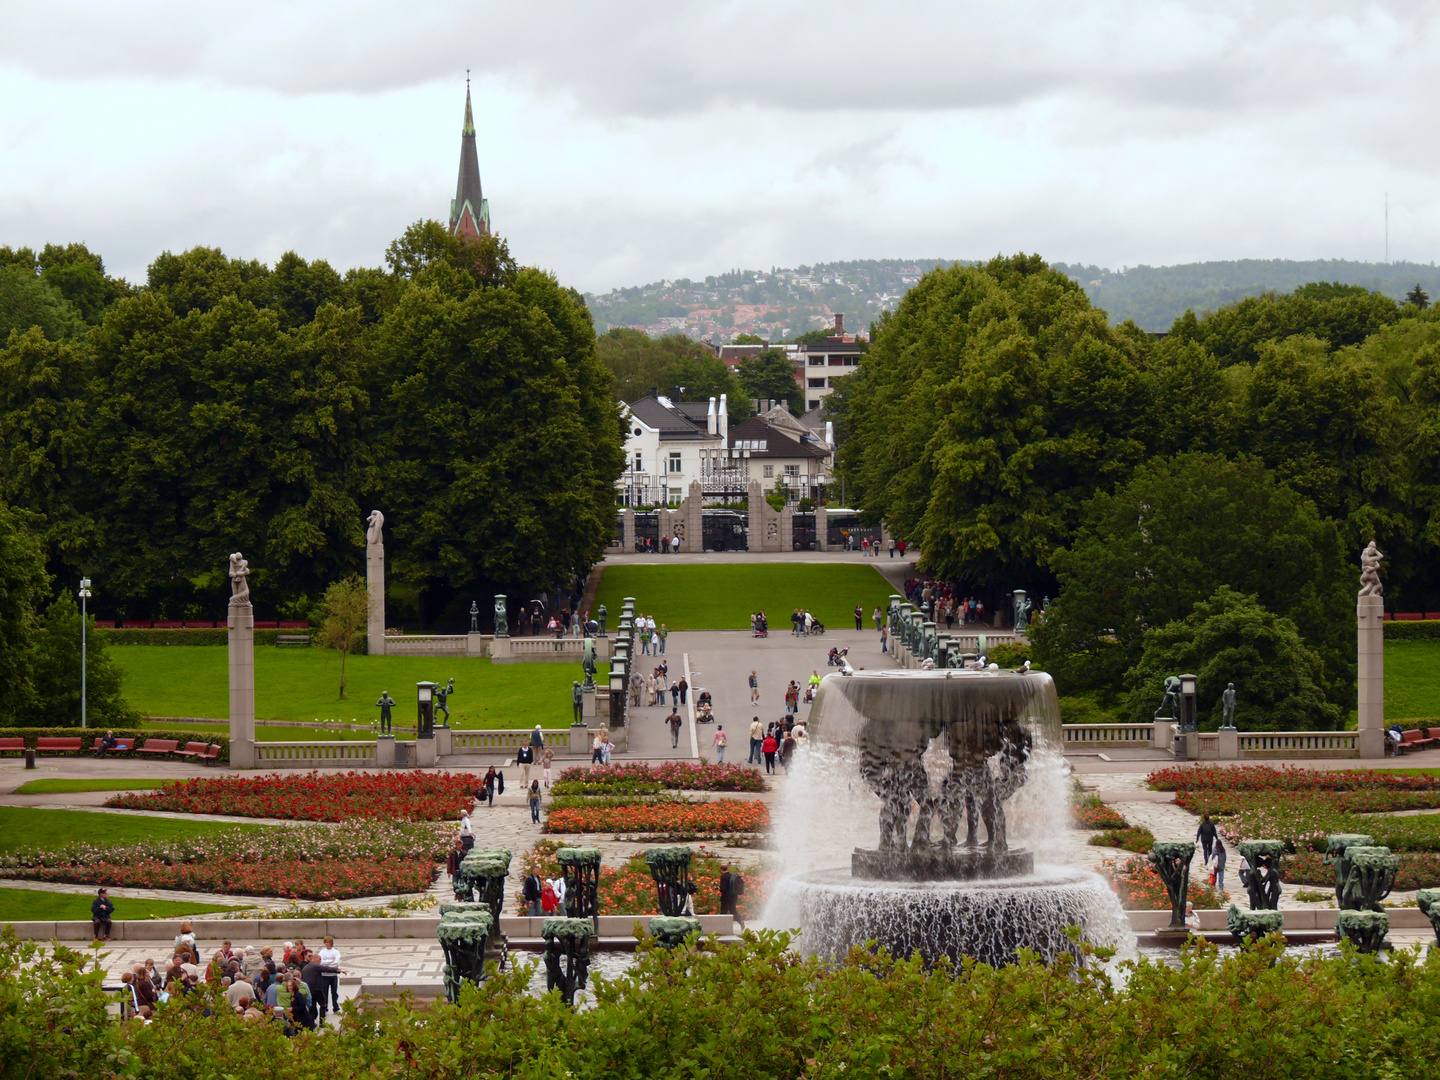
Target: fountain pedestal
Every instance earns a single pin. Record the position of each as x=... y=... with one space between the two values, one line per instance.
x=940 y=864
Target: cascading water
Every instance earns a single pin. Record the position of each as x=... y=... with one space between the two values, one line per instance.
x=928 y=783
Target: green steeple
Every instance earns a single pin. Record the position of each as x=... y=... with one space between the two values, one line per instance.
x=469 y=212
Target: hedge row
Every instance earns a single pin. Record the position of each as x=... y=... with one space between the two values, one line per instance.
x=89 y=735
x=1428 y=630
x=190 y=636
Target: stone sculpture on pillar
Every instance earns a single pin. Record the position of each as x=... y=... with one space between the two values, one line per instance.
x=375 y=582
x=502 y=621
x=1370 y=638
x=240 y=621
x=577 y=701
x=1227 y=704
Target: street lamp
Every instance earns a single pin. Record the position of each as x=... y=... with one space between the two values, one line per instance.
x=84 y=596
x=1187 y=703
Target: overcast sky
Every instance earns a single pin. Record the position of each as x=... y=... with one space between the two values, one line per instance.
x=622 y=142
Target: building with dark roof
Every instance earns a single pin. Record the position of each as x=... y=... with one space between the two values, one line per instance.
x=469 y=210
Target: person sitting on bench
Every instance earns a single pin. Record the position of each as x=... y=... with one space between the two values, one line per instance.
x=108 y=743
x=101 y=908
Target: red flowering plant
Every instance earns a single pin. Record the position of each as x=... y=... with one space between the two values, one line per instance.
x=1140 y=889
x=668 y=818
x=314 y=796
x=1287 y=778
x=638 y=778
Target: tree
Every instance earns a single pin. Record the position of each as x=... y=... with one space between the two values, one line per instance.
x=749 y=339
x=1418 y=297
x=54 y=670
x=26 y=301
x=769 y=376
x=1230 y=637
x=22 y=586
x=345 y=610
x=640 y=364
x=1169 y=538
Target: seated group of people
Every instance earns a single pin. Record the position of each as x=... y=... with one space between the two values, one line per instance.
x=296 y=992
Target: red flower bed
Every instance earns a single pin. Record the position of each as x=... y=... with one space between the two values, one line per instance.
x=1284 y=778
x=1140 y=888
x=324 y=879
x=677 y=775
x=1418 y=869
x=686 y=819
x=314 y=796
x=1098 y=817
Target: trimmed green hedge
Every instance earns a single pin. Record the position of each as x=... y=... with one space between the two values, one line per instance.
x=1428 y=630
x=89 y=735
x=199 y=635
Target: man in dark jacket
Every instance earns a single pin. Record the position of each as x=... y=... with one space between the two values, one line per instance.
x=313 y=975
x=531 y=891
x=1206 y=835
x=100 y=911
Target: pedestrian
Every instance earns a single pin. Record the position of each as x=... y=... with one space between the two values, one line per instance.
x=814 y=678
x=757 y=735
x=768 y=746
x=719 y=742
x=1206 y=835
x=732 y=885
x=754 y=688
x=684 y=689
x=884 y=639
x=606 y=749
x=547 y=898
x=674 y=694
x=525 y=757
x=545 y=764
x=650 y=690
x=1219 y=859
x=453 y=858
x=531 y=891
x=787 y=748
x=859 y=617
x=644 y=638
x=558 y=885
x=674 y=721
x=637 y=684
x=660 y=636
x=535 y=801
x=595 y=749
x=492 y=780
x=537 y=739
x=101 y=908
x=330 y=957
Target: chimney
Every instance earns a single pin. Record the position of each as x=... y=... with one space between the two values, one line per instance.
x=710 y=420
x=839 y=323
x=724 y=419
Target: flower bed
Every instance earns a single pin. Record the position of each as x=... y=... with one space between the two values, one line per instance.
x=638 y=778
x=1130 y=838
x=1418 y=870
x=314 y=796
x=670 y=819
x=1097 y=816
x=630 y=890
x=1283 y=778
x=1140 y=889
x=320 y=862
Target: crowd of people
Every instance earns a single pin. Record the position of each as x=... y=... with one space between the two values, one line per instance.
x=296 y=991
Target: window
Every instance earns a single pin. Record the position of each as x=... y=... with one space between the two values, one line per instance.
x=792 y=470
x=816 y=384
x=639 y=461
x=852 y=361
x=675 y=462
x=769 y=472
x=674 y=495
x=817 y=361
x=837 y=361
x=812 y=403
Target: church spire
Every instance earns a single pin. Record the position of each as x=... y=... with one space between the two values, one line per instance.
x=469 y=211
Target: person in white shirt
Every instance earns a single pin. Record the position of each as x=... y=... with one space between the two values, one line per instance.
x=330 y=957
x=559 y=886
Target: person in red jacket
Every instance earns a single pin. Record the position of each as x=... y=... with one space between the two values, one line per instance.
x=768 y=748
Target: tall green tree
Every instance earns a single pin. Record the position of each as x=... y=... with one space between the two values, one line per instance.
x=54 y=671
x=23 y=584
x=769 y=376
x=344 y=615
x=27 y=300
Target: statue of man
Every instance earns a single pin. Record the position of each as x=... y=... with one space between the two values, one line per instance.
x=1227 y=703
x=577 y=699
x=1370 y=571
x=603 y=614
x=386 y=703
x=474 y=617
x=239 y=580
x=1022 y=616
x=502 y=624
x=442 y=694
x=376 y=521
x=1171 y=699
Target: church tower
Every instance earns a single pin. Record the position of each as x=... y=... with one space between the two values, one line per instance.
x=469 y=212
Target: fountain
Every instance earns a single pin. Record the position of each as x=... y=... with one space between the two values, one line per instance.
x=1428 y=901
x=1364 y=875
x=481 y=882
x=933 y=750
x=567 y=955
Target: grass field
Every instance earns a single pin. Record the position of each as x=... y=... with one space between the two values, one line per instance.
x=54 y=786
x=303 y=684
x=35 y=905
x=721 y=596
x=25 y=828
x=1412 y=679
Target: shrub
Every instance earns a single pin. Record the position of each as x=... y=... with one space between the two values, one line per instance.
x=1283 y=778
x=1010 y=655
x=1097 y=816
x=1131 y=838
x=1140 y=888
x=670 y=819
x=191 y=635
x=1427 y=630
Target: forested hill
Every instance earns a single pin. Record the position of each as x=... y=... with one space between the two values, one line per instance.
x=1155 y=296
x=782 y=303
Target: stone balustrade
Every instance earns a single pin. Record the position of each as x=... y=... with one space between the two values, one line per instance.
x=571 y=741
x=1310 y=744
x=436 y=645
x=1215 y=745
x=332 y=754
x=1109 y=735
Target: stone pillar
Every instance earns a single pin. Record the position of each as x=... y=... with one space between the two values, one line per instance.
x=385 y=751
x=241 y=625
x=375 y=580
x=474 y=644
x=1229 y=744
x=694 y=511
x=822 y=527
x=787 y=528
x=1369 y=618
x=627 y=529
x=756 y=503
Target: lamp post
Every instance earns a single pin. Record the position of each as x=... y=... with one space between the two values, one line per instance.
x=1187 y=703
x=84 y=665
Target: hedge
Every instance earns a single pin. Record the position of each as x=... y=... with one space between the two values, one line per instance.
x=199 y=635
x=1416 y=630
x=90 y=734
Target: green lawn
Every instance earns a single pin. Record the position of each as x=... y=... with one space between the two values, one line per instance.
x=303 y=684
x=721 y=596
x=34 y=905
x=56 y=786
x=25 y=827
x=1412 y=679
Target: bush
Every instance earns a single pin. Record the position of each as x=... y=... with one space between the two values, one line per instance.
x=1131 y=838
x=1083 y=709
x=1428 y=630
x=195 y=635
x=90 y=734
x=1010 y=656
x=1097 y=816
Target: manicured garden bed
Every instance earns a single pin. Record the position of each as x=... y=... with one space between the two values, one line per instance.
x=674 y=819
x=1140 y=889
x=638 y=778
x=1284 y=778
x=315 y=796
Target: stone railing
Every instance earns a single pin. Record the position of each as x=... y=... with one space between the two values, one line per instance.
x=562 y=740
x=1310 y=744
x=1099 y=735
x=315 y=755
x=435 y=645
x=568 y=650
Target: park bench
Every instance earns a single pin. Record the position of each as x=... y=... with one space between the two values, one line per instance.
x=58 y=745
x=211 y=756
x=120 y=744
x=192 y=750
x=9 y=745
x=291 y=639
x=1414 y=739
x=159 y=746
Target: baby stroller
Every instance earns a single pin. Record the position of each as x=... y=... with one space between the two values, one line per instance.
x=837 y=657
x=809 y=694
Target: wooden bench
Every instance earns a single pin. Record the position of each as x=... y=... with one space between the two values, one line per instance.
x=211 y=756
x=58 y=745
x=120 y=744
x=12 y=746
x=291 y=639
x=192 y=749
x=158 y=746
x=1414 y=739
